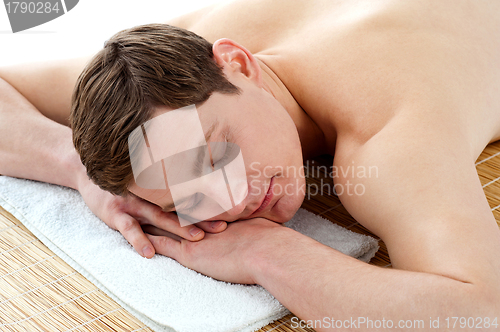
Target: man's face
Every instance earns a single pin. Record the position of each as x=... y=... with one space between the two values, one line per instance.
x=258 y=124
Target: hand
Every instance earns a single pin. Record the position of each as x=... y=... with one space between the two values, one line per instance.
x=230 y=256
x=127 y=214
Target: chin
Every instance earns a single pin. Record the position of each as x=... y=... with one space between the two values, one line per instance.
x=286 y=207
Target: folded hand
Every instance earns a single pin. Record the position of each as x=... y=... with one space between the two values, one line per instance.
x=128 y=214
x=230 y=256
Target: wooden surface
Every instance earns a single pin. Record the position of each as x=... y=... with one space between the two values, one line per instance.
x=40 y=292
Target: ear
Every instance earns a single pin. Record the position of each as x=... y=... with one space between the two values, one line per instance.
x=236 y=59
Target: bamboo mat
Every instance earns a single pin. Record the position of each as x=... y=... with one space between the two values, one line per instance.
x=40 y=292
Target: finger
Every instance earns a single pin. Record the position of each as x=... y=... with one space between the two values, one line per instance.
x=132 y=232
x=148 y=213
x=216 y=226
x=153 y=230
x=166 y=246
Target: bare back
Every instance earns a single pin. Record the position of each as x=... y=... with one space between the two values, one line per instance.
x=357 y=64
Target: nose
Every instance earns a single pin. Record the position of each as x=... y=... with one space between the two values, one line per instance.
x=238 y=209
x=231 y=214
x=238 y=186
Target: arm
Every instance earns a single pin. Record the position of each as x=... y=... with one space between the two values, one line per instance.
x=35 y=103
x=427 y=205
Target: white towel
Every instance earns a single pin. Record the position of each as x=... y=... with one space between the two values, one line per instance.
x=160 y=292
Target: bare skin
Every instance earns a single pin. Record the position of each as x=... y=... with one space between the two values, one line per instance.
x=410 y=87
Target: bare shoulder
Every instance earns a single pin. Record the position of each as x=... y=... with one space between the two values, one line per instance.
x=415 y=185
x=47 y=85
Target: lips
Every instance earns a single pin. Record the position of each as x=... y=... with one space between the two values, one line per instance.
x=267 y=198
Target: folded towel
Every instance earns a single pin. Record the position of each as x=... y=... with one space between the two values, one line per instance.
x=160 y=292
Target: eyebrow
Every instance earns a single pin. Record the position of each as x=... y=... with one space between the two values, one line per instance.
x=199 y=158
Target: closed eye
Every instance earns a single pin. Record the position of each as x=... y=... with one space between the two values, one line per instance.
x=197 y=198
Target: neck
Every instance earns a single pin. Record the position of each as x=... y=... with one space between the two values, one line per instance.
x=312 y=138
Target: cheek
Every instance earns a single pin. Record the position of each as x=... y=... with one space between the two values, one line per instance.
x=156 y=197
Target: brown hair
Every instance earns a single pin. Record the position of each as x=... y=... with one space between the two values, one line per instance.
x=138 y=69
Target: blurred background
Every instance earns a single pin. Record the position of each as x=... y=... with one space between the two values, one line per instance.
x=83 y=30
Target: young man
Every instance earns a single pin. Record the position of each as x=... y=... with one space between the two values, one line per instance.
x=409 y=87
